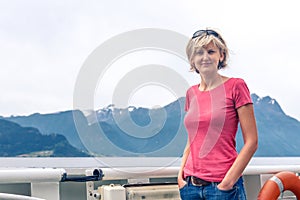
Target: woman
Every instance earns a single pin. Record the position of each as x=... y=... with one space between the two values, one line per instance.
x=211 y=167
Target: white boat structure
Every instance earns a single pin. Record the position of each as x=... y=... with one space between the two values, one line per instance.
x=115 y=178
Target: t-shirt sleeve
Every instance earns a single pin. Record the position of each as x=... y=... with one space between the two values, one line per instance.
x=241 y=93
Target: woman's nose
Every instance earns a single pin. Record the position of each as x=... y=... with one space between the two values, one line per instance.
x=205 y=55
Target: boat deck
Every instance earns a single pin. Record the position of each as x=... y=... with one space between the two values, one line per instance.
x=116 y=170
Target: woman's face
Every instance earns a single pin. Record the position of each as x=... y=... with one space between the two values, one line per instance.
x=207 y=58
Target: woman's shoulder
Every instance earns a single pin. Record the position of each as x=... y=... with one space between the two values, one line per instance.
x=192 y=90
x=236 y=81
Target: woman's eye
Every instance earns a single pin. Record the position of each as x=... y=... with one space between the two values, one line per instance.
x=211 y=51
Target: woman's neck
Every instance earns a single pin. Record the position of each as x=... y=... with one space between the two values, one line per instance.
x=210 y=82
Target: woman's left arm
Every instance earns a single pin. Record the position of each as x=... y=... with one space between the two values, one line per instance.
x=249 y=131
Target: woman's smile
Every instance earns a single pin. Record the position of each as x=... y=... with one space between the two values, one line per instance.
x=206 y=64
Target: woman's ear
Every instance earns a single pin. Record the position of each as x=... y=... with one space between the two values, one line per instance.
x=222 y=56
x=193 y=63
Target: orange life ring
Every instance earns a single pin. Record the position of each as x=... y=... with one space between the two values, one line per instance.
x=279 y=183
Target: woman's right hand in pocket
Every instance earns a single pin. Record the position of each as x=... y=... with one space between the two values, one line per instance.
x=181 y=182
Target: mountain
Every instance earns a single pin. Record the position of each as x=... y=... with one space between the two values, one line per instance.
x=135 y=131
x=110 y=132
x=61 y=122
x=16 y=140
x=278 y=132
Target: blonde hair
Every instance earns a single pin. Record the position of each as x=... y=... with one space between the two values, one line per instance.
x=203 y=40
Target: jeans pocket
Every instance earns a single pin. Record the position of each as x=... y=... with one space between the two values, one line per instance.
x=184 y=193
x=228 y=191
x=180 y=188
x=230 y=194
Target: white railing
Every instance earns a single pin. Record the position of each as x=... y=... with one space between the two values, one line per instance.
x=45 y=181
x=31 y=175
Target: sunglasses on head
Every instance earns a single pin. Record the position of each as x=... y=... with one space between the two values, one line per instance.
x=207 y=32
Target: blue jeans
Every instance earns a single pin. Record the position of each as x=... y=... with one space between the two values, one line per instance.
x=211 y=192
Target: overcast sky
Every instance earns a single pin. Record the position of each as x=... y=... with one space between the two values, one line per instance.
x=43 y=45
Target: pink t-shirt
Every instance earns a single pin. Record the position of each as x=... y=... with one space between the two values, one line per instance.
x=211 y=121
